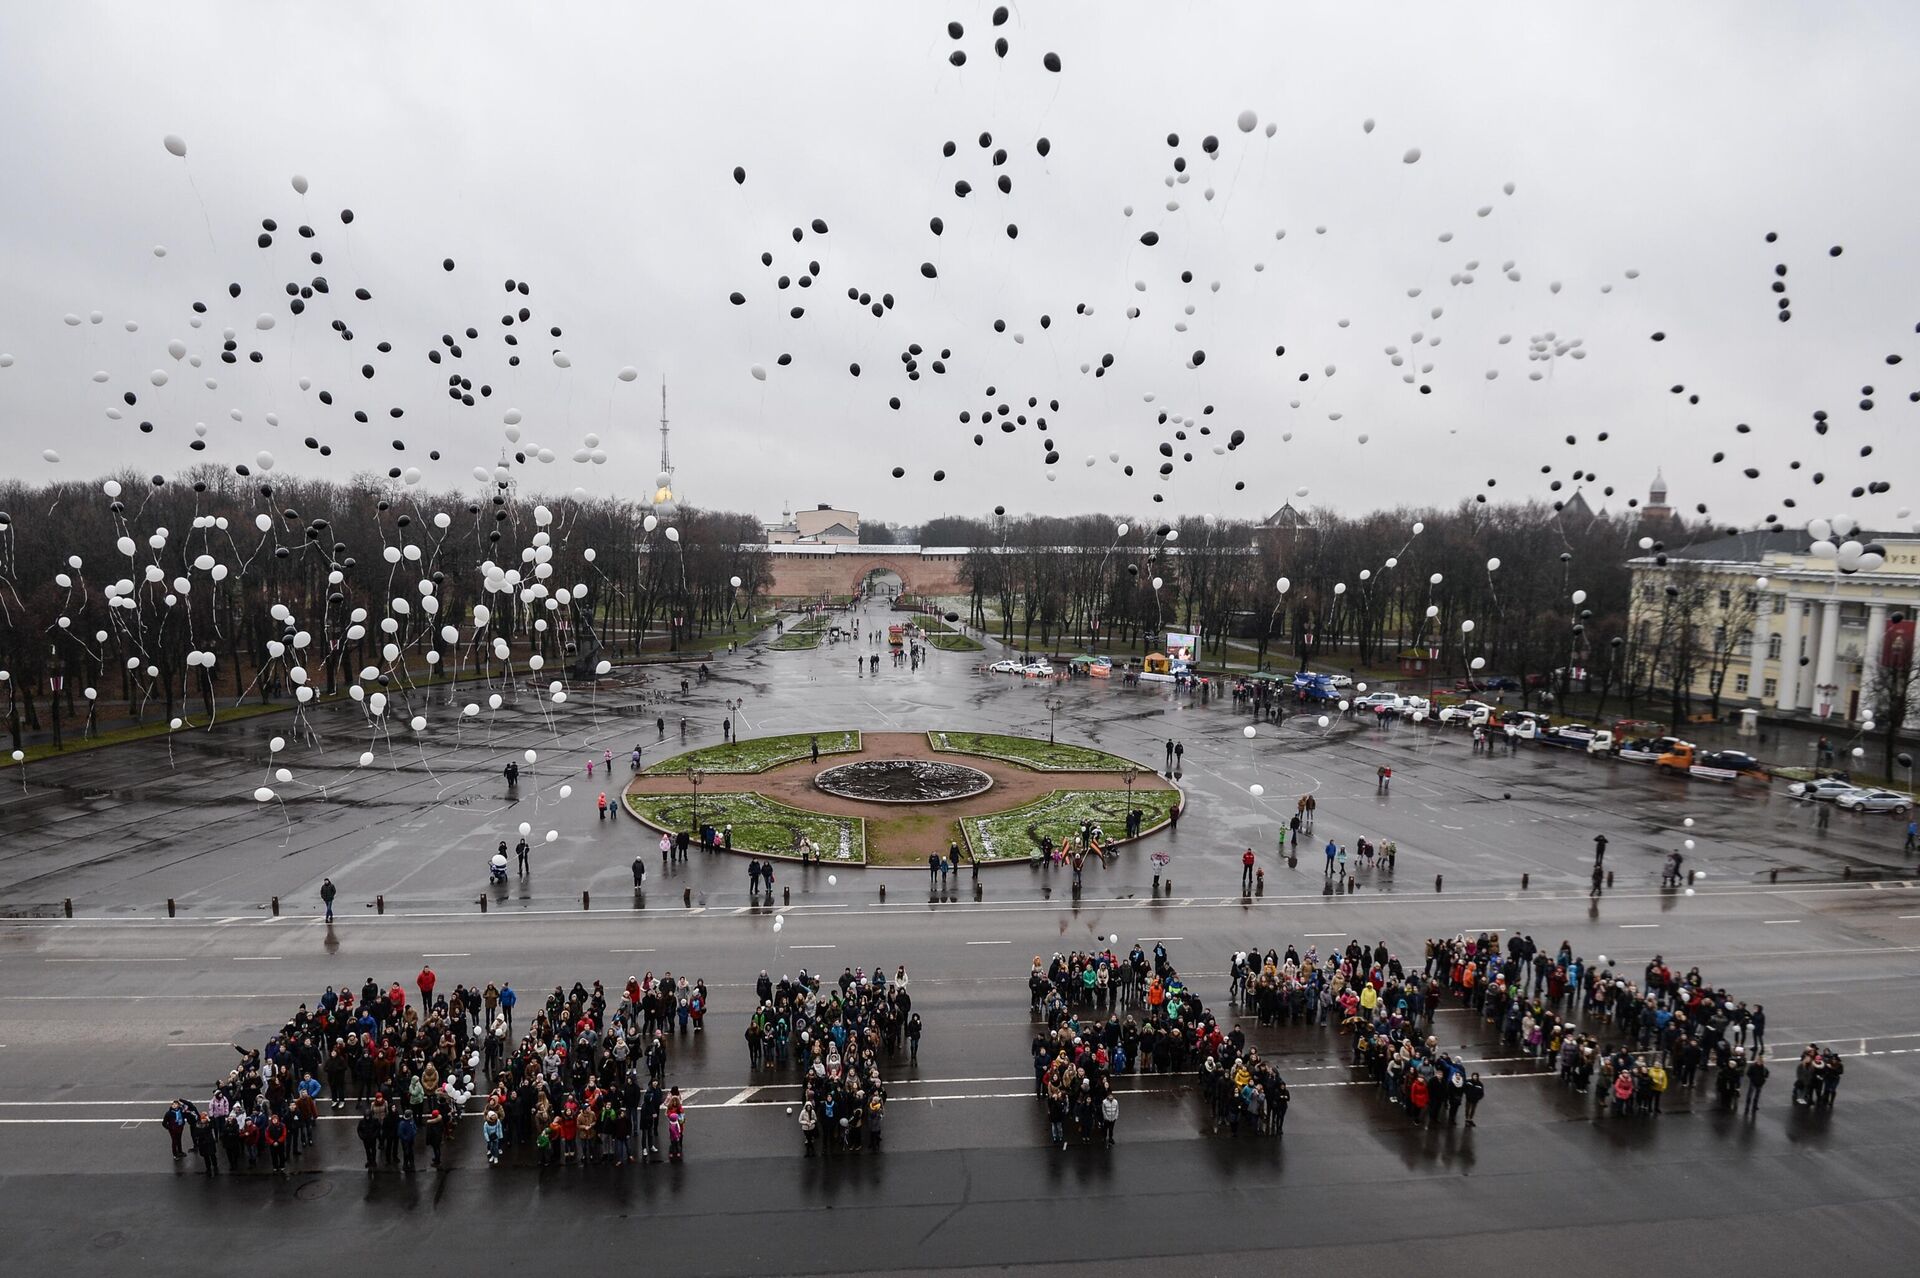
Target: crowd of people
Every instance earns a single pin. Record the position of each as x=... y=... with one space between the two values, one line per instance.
x=836 y=1034
x=582 y=1081
x=1085 y=1045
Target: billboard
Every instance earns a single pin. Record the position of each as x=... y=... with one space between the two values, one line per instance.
x=1182 y=647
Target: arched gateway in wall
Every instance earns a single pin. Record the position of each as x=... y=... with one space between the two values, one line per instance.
x=801 y=571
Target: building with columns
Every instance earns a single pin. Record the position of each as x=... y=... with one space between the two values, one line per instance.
x=1782 y=631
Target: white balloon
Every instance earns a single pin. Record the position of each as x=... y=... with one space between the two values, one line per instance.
x=1493 y=565
x=366 y=757
x=175 y=144
x=1157 y=582
x=759 y=372
x=1282 y=585
x=628 y=373
x=1579 y=596
x=1323 y=721
x=525 y=829
x=1466 y=627
x=1249 y=731
x=566 y=791
x=552 y=835
x=277 y=744
x=531 y=756
x=1478 y=663
x=282 y=775
x=262 y=795
x=1256 y=789
x=833 y=880
x=735 y=582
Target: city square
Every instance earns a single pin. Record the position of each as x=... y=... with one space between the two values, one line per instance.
x=1043 y=639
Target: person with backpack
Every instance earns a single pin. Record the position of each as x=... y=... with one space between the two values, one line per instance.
x=1476 y=1092
x=327 y=892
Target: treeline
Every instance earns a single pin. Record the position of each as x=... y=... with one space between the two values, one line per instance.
x=115 y=590
x=1361 y=589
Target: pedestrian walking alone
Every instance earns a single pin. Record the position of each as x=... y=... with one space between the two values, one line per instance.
x=326 y=896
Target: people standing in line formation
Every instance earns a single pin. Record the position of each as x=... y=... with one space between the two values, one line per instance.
x=1078 y=1054
x=1660 y=1032
x=836 y=1035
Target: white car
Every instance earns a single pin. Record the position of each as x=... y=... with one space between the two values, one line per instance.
x=1468 y=712
x=1006 y=665
x=1340 y=681
x=1830 y=788
x=1378 y=701
x=1865 y=800
x=1038 y=670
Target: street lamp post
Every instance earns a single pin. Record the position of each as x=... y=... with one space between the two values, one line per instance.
x=1053 y=708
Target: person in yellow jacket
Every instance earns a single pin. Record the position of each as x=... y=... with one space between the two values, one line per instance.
x=1369 y=999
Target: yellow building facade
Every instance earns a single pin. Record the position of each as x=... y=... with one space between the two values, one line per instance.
x=1786 y=632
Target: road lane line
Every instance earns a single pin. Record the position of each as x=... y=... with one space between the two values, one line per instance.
x=740 y=1097
x=989 y=942
x=1771 y=922
x=199 y=1045
x=116 y=960
x=257 y=958
x=810 y=947
x=461 y=955
x=645 y=951
x=1631 y=926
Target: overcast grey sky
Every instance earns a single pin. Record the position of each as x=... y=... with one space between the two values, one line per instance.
x=589 y=150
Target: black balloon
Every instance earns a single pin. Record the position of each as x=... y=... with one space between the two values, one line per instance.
x=1052 y=63
x=958 y=57
x=738 y=299
x=819 y=226
x=899 y=471
x=1150 y=239
x=936 y=226
x=927 y=269
x=739 y=175
x=1043 y=146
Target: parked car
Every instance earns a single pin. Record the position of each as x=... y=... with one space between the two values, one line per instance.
x=1864 y=800
x=1340 y=681
x=1378 y=701
x=1525 y=724
x=1472 y=713
x=1038 y=670
x=1829 y=788
x=1006 y=665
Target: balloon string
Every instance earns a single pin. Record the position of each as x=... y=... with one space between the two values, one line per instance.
x=203 y=209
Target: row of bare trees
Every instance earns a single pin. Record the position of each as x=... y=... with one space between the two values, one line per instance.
x=1361 y=590
x=79 y=613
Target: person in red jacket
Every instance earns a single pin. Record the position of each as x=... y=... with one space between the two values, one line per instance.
x=425 y=982
x=1246 y=872
x=275 y=1135
x=1417 y=1099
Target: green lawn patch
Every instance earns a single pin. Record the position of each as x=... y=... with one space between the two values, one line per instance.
x=1014 y=835
x=794 y=639
x=757 y=754
x=1040 y=756
x=951 y=642
x=760 y=825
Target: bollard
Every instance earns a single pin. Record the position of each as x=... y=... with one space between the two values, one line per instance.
x=1691 y=874
x=686 y=897
x=276 y=907
x=1523 y=881
x=977 y=890
x=1436 y=882
x=786 y=895
x=883 y=891
x=1609 y=878
x=1846 y=871
x=1046 y=891
x=586 y=900
x=69 y=907
x=1773 y=876
x=483 y=903
x=380 y=903
x=1169 y=887
x=169 y=907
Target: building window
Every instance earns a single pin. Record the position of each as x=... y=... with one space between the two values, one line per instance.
x=1773 y=647
x=1770 y=688
x=1646 y=629
x=1726 y=600
x=1740 y=684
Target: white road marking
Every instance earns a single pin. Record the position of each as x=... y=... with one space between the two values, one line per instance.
x=645 y=951
x=199 y=1044
x=1163 y=938
x=1771 y=922
x=1636 y=925
x=116 y=960
x=810 y=947
x=257 y=958
x=989 y=942
x=1312 y=935
x=740 y=1097
x=463 y=955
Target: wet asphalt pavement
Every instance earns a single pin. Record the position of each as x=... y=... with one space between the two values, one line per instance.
x=105 y=1018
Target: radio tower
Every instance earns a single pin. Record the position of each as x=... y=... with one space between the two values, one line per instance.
x=666 y=459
